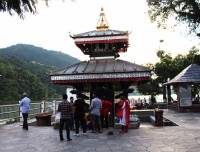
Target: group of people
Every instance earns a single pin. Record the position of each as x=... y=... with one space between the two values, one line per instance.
x=74 y=113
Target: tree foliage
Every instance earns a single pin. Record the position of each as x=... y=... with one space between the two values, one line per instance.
x=18 y=6
x=150 y=88
x=24 y=67
x=21 y=6
x=15 y=81
x=167 y=68
x=184 y=11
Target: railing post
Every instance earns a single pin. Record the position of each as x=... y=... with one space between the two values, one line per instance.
x=42 y=107
x=54 y=106
x=20 y=114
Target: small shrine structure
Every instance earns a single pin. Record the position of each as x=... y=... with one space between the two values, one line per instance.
x=103 y=73
x=186 y=98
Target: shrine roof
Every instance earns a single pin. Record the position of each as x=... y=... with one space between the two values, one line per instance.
x=191 y=74
x=102 y=33
x=101 y=70
x=101 y=66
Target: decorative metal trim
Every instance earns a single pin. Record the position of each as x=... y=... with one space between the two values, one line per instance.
x=101 y=38
x=100 y=76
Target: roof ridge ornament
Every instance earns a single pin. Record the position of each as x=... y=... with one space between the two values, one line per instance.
x=102 y=23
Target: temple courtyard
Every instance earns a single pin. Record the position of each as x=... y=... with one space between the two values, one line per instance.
x=185 y=137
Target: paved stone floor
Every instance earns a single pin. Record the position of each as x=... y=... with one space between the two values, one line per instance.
x=182 y=138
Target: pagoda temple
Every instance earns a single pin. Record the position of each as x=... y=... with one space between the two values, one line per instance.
x=104 y=72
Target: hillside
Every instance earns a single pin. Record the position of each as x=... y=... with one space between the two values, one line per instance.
x=15 y=81
x=21 y=65
x=39 y=55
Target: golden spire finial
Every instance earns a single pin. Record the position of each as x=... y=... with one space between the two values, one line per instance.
x=102 y=24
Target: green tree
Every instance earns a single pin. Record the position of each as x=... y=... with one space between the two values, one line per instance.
x=184 y=11
x=14 y=81
x=193 y=55
x=150 y=88
x=20 y=6
x=167 y=68
x=34 y=62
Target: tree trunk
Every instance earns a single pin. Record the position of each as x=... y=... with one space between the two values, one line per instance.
x=169 y=94
x=164 y=94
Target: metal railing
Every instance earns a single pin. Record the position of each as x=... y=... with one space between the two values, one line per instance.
x=12 y=113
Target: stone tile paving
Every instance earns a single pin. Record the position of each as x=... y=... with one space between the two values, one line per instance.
x=182 y=138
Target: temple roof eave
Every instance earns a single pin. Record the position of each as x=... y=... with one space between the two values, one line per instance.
x=96 y=33
x=104 y=77
x=92 y=80
x=111 y=73
x=107 y=39
x=190 y=74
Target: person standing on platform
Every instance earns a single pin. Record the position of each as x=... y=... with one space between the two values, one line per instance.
x=123 y=113
x=106 y=106
x=96 y=107
x=25 y=106
x=65 y=109
x=72 y=116
x=79 y=114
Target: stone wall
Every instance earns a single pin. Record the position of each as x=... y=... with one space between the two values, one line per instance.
x=143 y=115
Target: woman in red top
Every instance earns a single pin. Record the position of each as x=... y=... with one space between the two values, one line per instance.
x=106 y=106
x=123 y=113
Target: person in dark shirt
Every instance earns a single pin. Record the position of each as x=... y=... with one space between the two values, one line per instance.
x=65 y=108
x=79 y=114
x=72 y=116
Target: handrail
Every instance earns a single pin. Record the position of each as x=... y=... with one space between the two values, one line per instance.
x=9 y=105
x=8 y=112
x=13 y=111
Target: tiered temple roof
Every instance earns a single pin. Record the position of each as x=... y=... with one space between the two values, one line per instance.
x=103 y=46
x=102 y=41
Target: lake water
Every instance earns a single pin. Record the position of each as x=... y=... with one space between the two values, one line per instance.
x=159 y=98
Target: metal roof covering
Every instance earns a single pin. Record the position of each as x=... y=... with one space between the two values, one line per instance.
x=105 y=39
x=191 y=74
x=96 y=33
x=101 y=70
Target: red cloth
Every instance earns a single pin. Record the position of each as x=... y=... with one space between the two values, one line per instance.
x=106 y=106
x=120 y=110
x=128 y=111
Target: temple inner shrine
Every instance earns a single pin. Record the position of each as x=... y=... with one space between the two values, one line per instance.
x=104 y=73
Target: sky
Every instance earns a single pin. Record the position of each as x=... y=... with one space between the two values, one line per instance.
x=50 y=28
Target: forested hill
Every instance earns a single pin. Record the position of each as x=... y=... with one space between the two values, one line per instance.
x=23 y=68
x=39 y=55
